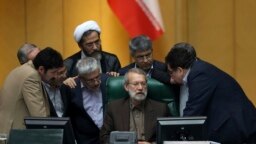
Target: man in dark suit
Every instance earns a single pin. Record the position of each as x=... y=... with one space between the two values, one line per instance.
x=208 y=91
x=141 y=50
x=87 y=101
x=87 y=36
x=134 y=113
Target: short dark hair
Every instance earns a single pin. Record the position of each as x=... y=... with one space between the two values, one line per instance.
x=140 y=43
x=181 y=55
x=48 y=58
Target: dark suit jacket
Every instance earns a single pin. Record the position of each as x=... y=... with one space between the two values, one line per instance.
x=65 y=101
x=109 y=62
x=86 y=131
x=231 y=117
x=159 y=72
x=117 y=118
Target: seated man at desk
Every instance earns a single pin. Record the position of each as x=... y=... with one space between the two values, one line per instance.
x=134 y=113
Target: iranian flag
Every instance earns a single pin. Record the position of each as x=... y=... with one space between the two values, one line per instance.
x=139 y=17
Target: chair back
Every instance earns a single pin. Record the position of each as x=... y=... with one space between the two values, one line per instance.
x=156 y=90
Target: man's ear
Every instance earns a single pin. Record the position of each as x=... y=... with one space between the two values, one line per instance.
x=180 y=69
x=126 y=88
x=41 y=70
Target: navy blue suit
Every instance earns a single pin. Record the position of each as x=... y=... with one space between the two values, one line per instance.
x=86 y=131
x=231 y=117
x=109 y=62
x=159 y=71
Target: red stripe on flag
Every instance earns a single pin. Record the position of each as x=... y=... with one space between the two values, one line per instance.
x=134 y=19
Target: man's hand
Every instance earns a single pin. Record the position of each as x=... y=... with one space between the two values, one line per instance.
x=70 y=82
x=114 y=74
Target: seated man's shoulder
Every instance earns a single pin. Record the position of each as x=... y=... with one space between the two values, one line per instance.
x=117 y=103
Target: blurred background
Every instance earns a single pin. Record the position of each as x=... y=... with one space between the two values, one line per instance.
x=222 y=31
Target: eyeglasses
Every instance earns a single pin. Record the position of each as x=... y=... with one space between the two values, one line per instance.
x=91 y=44
x=146 y=56
x=136 y=84
x=91 y=81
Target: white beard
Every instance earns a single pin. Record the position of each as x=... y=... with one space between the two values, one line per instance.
x=138 y=97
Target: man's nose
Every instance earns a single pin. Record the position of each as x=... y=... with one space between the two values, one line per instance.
x=140 y=86
x=95 y=46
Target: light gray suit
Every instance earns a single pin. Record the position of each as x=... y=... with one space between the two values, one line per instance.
x=22 y=95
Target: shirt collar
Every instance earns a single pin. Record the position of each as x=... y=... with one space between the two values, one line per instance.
x=149 y=71
x=185 y=79
x=82 y=55
x=46 y=85
x=82 y=85
x=139 y=107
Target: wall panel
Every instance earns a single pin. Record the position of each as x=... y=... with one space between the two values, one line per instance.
x=245 y=46
x=44 y=23
x=211 y=26
x=12 y=34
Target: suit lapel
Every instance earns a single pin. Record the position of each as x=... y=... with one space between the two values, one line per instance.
x=103 y=63
x=149 y=119
x=47 y=105
x=78 y=96
x=64 y=100
x=125 y=115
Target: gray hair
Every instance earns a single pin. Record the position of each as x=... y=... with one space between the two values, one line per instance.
x=140 y=43
x=134 y=70
x=23 y=52
x=86 y=65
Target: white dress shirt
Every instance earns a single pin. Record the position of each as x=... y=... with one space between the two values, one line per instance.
x=56 y=99
x=184 y=93
x=92 y=102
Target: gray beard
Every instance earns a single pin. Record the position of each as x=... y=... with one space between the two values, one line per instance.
x=97 y=55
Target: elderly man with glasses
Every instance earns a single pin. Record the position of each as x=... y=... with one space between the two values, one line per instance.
x=87 y=101
x=134 y=113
